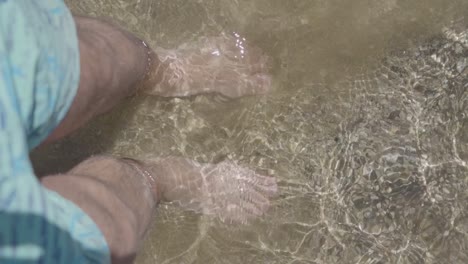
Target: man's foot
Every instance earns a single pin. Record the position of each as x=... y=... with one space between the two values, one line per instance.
x=224 y=190
x=224 y=64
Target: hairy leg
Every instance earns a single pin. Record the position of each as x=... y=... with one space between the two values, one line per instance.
x=119 y=199
x=121 y=195
x=113 y=64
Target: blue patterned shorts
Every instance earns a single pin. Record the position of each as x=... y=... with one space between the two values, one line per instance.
x=39 y=75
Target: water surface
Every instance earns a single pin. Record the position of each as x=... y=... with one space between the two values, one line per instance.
x=366 y=130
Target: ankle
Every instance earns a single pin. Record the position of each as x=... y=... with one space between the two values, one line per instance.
x=154 y=70
x=150 y=178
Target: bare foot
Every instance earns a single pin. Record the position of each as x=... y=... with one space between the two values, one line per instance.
x=224 y=64
x=223 y=190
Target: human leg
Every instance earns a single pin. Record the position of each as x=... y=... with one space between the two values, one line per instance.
x=115 y=64
x=120 y=195
x=116 y=197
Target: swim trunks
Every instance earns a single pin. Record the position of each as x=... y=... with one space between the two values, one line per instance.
x=39 y=75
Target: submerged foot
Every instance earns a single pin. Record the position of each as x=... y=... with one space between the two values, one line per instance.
x=224 y=64
x=224 y=190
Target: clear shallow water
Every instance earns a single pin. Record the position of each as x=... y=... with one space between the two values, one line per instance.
x=365 y=130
